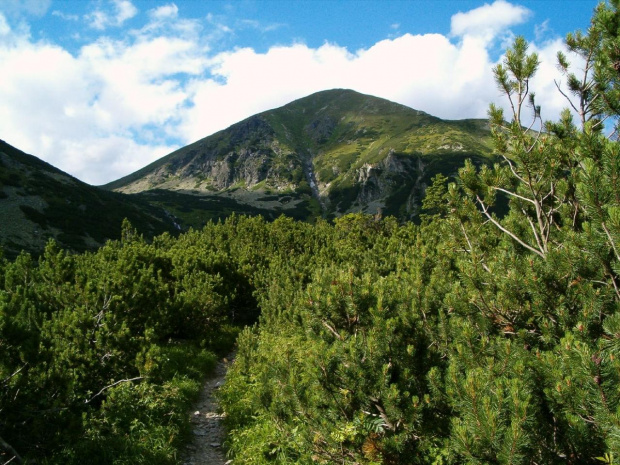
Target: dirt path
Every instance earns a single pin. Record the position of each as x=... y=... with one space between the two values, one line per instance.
x=208 y=430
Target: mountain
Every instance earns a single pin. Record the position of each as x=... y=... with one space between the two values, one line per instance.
x=327 y=154
x=39 y=202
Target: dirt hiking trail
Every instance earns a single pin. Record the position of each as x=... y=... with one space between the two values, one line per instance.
x=206 y=446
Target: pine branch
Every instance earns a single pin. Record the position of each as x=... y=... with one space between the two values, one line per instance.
x=7 y=447
x=112 y=385
x=503 y=229
x=513 y=194
x=531 y=223
x=513 y=169
x=567 y=98
x=6 y=380
x=332 y=330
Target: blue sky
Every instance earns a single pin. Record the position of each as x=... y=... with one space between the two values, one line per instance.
x=101 y=88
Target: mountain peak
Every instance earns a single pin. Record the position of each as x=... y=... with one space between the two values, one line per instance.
x=329 y=153
x=346 y=100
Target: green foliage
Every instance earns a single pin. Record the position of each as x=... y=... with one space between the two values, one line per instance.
x=41 y=202
x=103 y=353
x=476 y=338
x=472 y=338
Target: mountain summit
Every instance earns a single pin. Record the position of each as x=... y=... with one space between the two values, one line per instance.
x=330 y=153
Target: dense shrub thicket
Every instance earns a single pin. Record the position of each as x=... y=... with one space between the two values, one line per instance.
x=472 y=338
x=469 y=338
x=101 y=354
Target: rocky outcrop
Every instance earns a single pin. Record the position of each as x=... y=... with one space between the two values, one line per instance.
x=378 y=182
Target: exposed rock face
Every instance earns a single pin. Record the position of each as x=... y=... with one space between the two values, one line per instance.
x=379 y=181
x=243 y=156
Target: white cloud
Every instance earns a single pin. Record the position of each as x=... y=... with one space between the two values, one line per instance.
x=5 y=29
x=118 y=104
x=540 y=30
x=65 y=16
x=125 y=10
x=122 y=11
x=488 y=21
x=31 y=7
x=164 y=12
x=426 y=72
x=101 y=113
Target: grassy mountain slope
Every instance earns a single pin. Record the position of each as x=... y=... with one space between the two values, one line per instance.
x=330 y=153
x=39 y=202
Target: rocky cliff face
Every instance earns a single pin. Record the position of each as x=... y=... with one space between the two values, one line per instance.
x=246 y=155
x=337 y=150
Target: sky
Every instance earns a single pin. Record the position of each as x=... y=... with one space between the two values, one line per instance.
x=101 y=88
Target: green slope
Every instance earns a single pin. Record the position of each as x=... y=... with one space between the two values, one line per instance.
x=339 y=151
x=39 y=202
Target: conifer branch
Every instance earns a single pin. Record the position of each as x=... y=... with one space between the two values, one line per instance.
x=513 y=194
x=570 y=102
x=7 y=447
x=533 y=227
x=6 y=380
x=112 y=385
x=611 y=240
x=332 y=330
x=513 y=169
x=503 y=229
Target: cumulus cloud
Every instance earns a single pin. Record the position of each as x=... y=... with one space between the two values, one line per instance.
x=98 y=114
x=164 y=12
x=426 y=72
x=488 y=20
x=117 y=104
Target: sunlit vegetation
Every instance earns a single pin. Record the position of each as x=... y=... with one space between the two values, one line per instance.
x=473 y=337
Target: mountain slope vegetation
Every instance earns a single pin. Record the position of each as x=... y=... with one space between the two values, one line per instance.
x=330 y=153
x=470 y=338
x=39 y=202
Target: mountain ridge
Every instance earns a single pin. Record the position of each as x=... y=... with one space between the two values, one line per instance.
x=39 y=202
x=338 y=150
x=325 y=155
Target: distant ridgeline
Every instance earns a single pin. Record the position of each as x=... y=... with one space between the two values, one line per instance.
x=39 y=202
